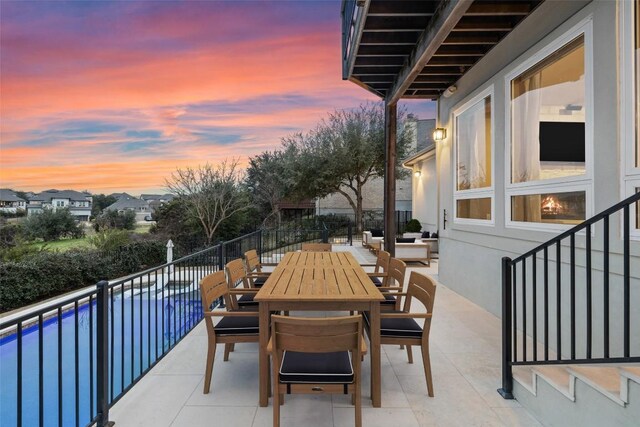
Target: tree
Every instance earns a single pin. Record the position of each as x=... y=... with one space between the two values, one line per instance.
x=51 y=225
x=211 y=194
x=342 y=154
x=115 y=220
x=101 y=201
x=268 y=183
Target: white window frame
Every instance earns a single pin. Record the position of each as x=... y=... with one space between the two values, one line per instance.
x=630 y=173
x=556 y=185
x=474 y=193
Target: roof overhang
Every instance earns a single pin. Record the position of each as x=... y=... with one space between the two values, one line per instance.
x=420 y=156
x=418 y=49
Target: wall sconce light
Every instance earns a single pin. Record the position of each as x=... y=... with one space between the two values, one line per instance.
x=417 y=173
x=439 y=134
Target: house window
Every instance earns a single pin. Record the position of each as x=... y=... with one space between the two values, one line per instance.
x=549 y=134
x=473 y=157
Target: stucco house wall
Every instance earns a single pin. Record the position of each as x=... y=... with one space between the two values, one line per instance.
x=470 y=254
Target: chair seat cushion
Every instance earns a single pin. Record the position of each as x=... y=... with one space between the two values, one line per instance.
x=388 y=299
x=397 y=327
x=315 y=368
x=247 y=299
x=239 y=325
x=259 y=281
x=376 y=281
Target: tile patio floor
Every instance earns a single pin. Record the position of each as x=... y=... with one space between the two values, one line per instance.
x=465 y=358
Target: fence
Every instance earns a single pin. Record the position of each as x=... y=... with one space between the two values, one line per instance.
x=79 y=355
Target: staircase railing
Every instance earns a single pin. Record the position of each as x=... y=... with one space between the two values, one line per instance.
x=561 y=313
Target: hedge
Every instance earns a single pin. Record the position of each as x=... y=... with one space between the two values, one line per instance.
x=49 y=274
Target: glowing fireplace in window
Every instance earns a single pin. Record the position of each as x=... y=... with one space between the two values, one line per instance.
x=551 y=207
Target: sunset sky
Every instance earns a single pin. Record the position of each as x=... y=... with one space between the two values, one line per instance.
x=114 y=96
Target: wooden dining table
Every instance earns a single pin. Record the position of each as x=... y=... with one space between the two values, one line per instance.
x=319 y=281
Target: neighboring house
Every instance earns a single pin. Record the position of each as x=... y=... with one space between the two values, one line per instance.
x=538 y=103
x=139 y=206
x=157 y=200
x=78 y=203
x=10 y=203
x=373 y=191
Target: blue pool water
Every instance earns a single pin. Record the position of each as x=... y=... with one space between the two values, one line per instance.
x=144 y=327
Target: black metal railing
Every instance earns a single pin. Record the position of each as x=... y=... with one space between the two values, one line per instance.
x=568 y=300
x=81 y=354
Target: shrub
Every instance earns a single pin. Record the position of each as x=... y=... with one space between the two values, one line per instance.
x=51 y=225
x=413 y=226
x=110 y=220
x=109 y=240
x=47 y=274
x=10 y=235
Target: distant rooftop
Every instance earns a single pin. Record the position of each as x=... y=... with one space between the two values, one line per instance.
x=7 y=195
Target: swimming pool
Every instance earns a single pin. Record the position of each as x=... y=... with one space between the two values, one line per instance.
x=143 y=325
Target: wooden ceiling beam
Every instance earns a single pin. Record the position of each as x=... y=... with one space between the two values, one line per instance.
x=499 y=9
x=461 y=50
x=372 y=71
x=386 y=38
x=384 y=49
x=380 y=61
x=432 y=79
x=395 y=7
x=395 y=23
x=483 y=24
x=446 y=61
x=472 y=39
x=445 y=19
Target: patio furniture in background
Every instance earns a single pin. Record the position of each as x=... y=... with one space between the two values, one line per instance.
x=234 y=327
x=312 y=356
x=316 y=247
x=416 y=251
x=399 y=327
x=372 y=236
x=319 y=281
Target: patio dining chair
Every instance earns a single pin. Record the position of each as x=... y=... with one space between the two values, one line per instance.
x=316 y=356
x=316 y=247
x=237 y=277
x=255 y=275
x=400 y=327
x=391 y=289
x=234 y=327
x=381 y=267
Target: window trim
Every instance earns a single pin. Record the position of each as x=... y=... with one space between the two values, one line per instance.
x=564 y=184
x=474 y=193
x=629 y=172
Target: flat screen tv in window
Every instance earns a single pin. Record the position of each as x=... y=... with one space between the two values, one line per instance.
x=562 y=142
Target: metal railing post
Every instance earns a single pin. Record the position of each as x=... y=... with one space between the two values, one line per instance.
x=221 y=257
x=350 y=233
x=102 y=354
x=260 y=244
x=507 y=375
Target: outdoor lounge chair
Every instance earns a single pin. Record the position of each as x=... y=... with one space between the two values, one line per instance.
x=234 y=327
x=316 y=356
x=399 y=327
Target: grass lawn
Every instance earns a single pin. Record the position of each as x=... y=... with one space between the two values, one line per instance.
x=65 y=244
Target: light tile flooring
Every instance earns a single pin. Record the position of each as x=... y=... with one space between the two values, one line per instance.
x=465 y=359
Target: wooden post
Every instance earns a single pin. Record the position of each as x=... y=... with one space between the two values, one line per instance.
x=390 y=130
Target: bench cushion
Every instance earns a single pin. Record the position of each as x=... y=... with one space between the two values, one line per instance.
x=397 y=327
x=297 y=367
x=248 y=325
